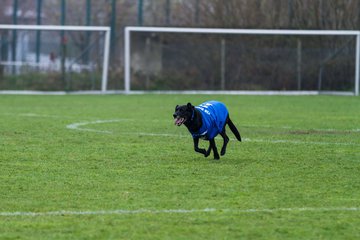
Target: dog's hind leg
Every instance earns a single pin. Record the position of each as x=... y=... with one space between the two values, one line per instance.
x=226 y=140
x=213 y=147
x=233 y=129
x=208 y=151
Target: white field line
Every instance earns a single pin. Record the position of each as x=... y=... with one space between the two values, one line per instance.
x=77 y=126
x=180 y=211
x=80 y=127
x=35 y=115
x=300 y=142
x=158 y=120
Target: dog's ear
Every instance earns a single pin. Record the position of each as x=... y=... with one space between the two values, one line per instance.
x=176 y=108
x=189 y=105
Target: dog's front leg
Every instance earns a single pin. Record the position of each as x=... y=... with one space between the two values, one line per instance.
x=213 y=147
x=226 y=140
x=196 y=147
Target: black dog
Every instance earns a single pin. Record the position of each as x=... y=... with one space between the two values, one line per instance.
x=206 y=121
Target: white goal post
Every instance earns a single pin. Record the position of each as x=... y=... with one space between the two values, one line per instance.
x=128 y=46
x=106 y=46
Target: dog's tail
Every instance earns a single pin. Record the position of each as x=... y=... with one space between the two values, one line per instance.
x=234 y=129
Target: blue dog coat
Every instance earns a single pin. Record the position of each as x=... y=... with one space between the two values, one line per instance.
x=214 y=116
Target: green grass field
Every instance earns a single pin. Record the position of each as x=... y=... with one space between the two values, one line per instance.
x=116 y=167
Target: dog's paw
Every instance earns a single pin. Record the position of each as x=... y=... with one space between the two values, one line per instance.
x=216 y=157
x=223 y=151
x=207 y=153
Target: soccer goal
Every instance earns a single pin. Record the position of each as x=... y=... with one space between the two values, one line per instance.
x=53 y=59
x=241 y=61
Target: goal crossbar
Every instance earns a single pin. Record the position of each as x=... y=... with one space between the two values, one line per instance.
x=106 y=30
x=128 y=30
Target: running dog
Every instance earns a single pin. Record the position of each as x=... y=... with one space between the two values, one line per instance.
x=206 y=121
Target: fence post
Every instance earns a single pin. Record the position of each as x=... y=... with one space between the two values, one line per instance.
x=223 y=62
x=88 y=34
x=357 y=64
x=38 y=33
x=14 y=38
x=167 y=12
x=299 y=52
x=140 y=12
x=63 y=42
x=113 y=29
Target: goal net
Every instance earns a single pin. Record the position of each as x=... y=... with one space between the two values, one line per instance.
x=196 y=60
x=53 y=58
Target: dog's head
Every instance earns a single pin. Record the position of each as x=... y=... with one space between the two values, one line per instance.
x=183 y=113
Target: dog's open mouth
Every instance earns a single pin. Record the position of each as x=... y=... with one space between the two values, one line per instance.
x=179 y=121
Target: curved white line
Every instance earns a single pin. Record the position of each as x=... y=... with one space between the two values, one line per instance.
x=355 y=130
x=79 y=126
